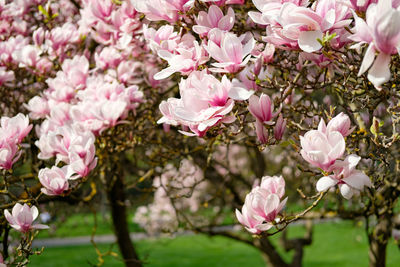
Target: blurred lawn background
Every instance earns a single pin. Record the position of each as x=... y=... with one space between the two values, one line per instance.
x=334 y=244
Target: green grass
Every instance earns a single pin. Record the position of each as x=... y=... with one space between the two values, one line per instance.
x=82 y=225
x=334 y=244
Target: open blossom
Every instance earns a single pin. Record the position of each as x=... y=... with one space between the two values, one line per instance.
x=262 y=205
x=381 y=31
x=187 y=56
x=322 y=149
x=38 y=107
x=15 y=128
x=205 y=101
x=156 y=10
x=22 y=217
x=231 y=54
x=349 y=180
x=214 y=19
x=293 y=25
x=54 y=180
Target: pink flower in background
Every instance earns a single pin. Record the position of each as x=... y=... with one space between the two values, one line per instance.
x=381 y=31
x=2 y=261
x=214 y=19
x=232 y=55
x=6 y=76
x=54 y=180
x=322 y=149
x=262 y=205
x=349 y=180
x=22 y=217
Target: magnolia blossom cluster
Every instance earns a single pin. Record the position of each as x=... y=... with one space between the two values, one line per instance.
x=381 y=31
x=324 y=147
x=185 y=186
x=12 y=132
x=262 y=205
x=22 y=216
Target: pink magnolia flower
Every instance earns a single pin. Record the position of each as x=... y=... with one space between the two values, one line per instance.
x=9 y=154
x=109 y=57
x=262 y=205
x=340 y=123
x=261 y=132
x=22 y=218
x=6 y=76
x=156 y=10
x=270 y=9
x=188 y=55
x=15 y=128
x=28 y=56
x=54 y=180
x=81 y=155
x=262 y=108
x=293 y=26
x=322 y=149
x=162 y=39
x=362 y=6
x=214 y=19
x=349 y=180
x=381 y=31
x=279 y=128
x=232 y=55
x=38 y=107
x=205 y=101
x=273 y=185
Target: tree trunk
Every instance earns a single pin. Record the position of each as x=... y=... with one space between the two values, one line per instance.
x=378 y=240
x=269 y=253
x=116 y=196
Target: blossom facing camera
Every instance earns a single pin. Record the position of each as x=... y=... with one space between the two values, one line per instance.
x=22 y=217
x=349 y=180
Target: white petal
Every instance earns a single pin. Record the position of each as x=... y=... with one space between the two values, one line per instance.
x=346 y=191
x=308 y=41
x=368 y=59
x=380 y=71
x=239 y=93
x=325 y=183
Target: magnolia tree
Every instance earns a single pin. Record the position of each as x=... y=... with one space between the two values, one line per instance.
x=199 y=101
